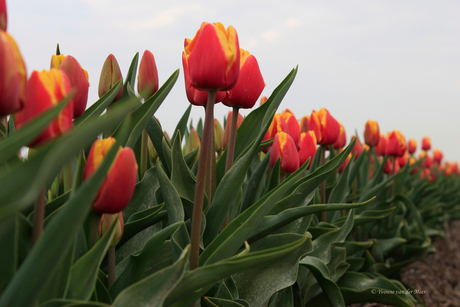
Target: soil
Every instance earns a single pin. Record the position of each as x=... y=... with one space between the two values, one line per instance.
x=437 y=276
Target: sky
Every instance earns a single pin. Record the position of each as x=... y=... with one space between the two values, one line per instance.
x=395 y=62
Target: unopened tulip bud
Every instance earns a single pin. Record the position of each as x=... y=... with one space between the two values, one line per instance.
x=426 y=143
x=371 y=133
x=45 y=90
x=218 y=136
x=193 y=142
x=228 y=126
x=284 y=148
x=3 y=16
x=308 y=147
x=437 y=156
x=293 y=126
x=153 y=154
x=412 y=147
x=305 y=124
x=326 y=127
x=213 y=57
x=396 y=144
x=147 y=84
x=107 y=220
x=118 y=187
x=249 y=85
x=341 y=140
x=110 y=75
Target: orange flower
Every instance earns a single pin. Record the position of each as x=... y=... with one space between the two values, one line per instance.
x=396 y=145
x=412 y=146
x=380 y=149
x=284 y=148
x=344 y=164
x=426 y=143
x=437 y=156
x=277 y=125
x=326 y=128
x=357 y=148
x=371 y=133
x=263 y=100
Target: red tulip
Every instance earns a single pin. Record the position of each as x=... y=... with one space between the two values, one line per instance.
x=344 y=164
x=380 y=149
x=213 y=57
x=402 y=161
x=249 y=85
x=44 y=90
x=371 y=133
x=284 y=148
x=3 y=16
x=118 y=187
x=13 y=76
x=341 y=140
x=326 y=128
x=308 y=147
x=396 y=145
x=107 y=220
x=227 y=127
x=305 y=124
x=412 y=146
x=147 y=83
x=277 y=125
x=426 y=143
x=388 y=168
x=110 y=75
x=437 y=156
x=293 y=126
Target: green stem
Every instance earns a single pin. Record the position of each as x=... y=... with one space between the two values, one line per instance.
x=111 y=273
x=144 y=152
x=392 y=193
x=92 y=223
x=201 y=180
x=323 y=184
x=39 y=214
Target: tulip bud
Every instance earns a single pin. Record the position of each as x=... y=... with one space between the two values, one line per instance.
x=437 y=156
x=218 y=136
x=78 y=78
x=118 y=187
x=110 y=74
x=412 y=146
x=371 y=133
x=153 y=154
x=228 y=126
x=284 y=148
x=381 y=147
x=13 y=76
x=107 y=220
x=308 y=147
x=147 y=84
x=345 y=163
x=341 y=140
x=426 y=143
x=357 y=148
x=305 y=124
x=396 y=144
x=326 y=127
x=263 y=100
x=46 y=89
x=193 y=142
x=293 y=126
x=213 y=57
x=3 y=16
x=277 y=125
x=249 y=85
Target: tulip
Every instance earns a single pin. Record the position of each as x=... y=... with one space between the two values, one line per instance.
x=341 y=140
x=437 y=156
x=293 y=125
x=56 y=60
x=380 y=149
x=3 y=16
x=78 y=78
x=305 y=124
x=249 y=85
x=357 y=148
x=147 y=83
x=227 y=127
x=13 y=76
x=428 y=162
x=263 y=100
x=218 y=136
x=396 y=144
x=118 y=187
x=213 y=57
x=412 y=146
x=345 y=163
x=193 y=143
x=402 y=161
x=308 y=147
x=326 y=127
x=388 y=168
x=46 y=89
x=110 y=75
x=371 y=133
x=277 y=125
x=284 y=148
x=107 y=220
x=426 y=143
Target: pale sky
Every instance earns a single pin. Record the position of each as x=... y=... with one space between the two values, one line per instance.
x=396 y=62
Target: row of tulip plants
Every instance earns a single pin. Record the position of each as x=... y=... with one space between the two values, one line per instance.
x=105 y=209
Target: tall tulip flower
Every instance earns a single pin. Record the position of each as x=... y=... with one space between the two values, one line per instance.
x=308 y=147
x=110 y=75
x=426 y=143
x=396 y=145
x=44 y=90
x=371 y=133
x=13 y=76
x=147 y=84
x=118 y=187
x=249 y=85
x=341 y=140
x=326 y=127
x=213 y=57
x=284 y=148
x=412 y=147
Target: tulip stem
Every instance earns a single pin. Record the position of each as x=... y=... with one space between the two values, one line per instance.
x=210 y=173
x=92 y=223
x=201 y=181
x=144 y=153
x=392 y=192
x=323 y=184
x=39 y=215
x=111 y=273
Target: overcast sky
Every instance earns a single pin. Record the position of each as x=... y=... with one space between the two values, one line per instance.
x=396 y=62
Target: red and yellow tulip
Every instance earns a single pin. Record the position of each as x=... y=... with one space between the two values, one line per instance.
x=426 y=143
x=412 y=147
x=110 y=75
x=396 y=144
x=342 y=139
x=326 y=127
x=371 y=133
x=285 y=149
x=307 y=147
x=147 y=79
x=293 y=125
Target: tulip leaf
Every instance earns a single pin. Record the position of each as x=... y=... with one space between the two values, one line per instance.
x=48 y=161
x=181 y=176
x=72 y=303
x=341 y=189
x=83 y=274
x=156 y=135
x=99 y=106
x=255 y=184
x=130 y=79
x=196 y=283
x=219 y=302
x=10 y=146
x=8 y=256
x=367 y=216
x=153 y=290
x=181 y=126
x=171 y=197
x=51 y=248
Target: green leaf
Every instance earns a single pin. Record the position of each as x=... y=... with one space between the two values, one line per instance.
x=72 y=303
x=171 y=197
x=153 y=290
x=181 y=176
x=156 y=135
x=181 y=126
x=212 y=301
x=340 y=191
x=367 y=216
x=130 y=79
x=255 y=184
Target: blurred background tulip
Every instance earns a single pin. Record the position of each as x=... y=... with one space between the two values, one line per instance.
x=147 y=83
x=110 y=75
